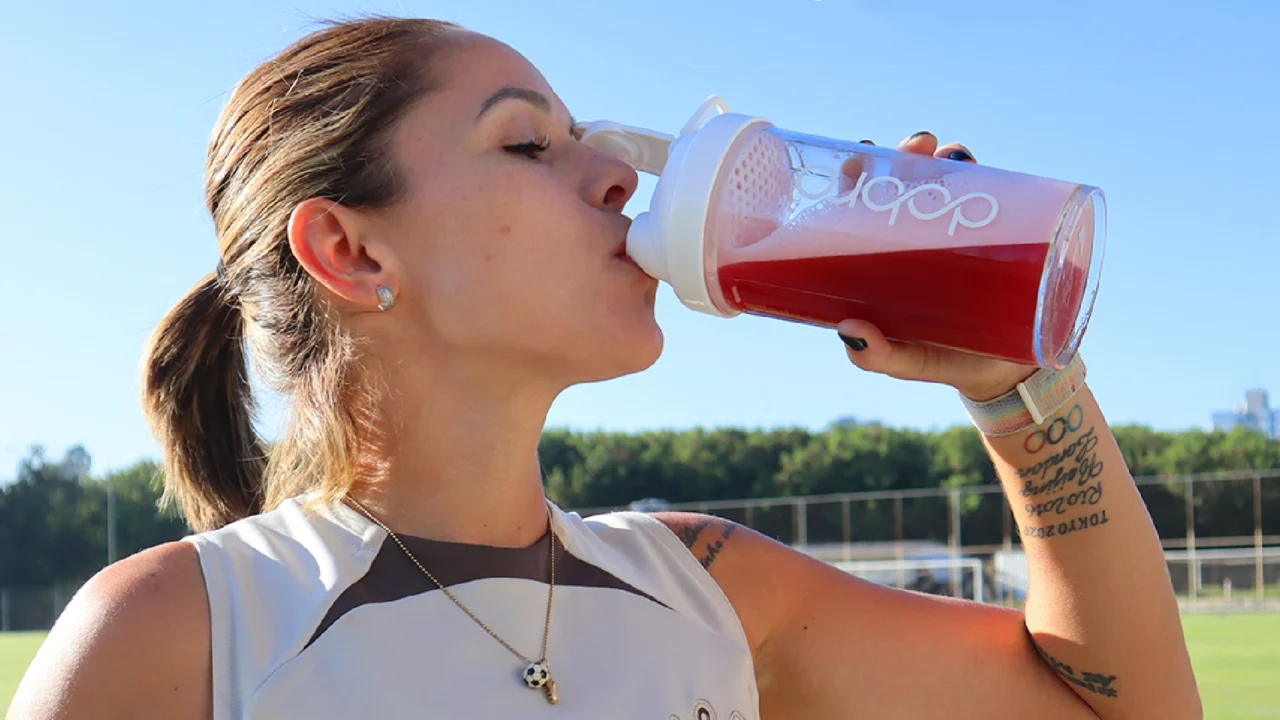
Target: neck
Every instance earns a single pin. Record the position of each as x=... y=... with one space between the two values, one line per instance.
x=458 y=461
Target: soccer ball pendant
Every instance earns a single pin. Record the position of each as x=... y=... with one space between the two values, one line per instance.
x=536 y=675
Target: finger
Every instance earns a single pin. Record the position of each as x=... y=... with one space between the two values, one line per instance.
x=879 y=354
x=852 y=169
x=955 y=151
x=922 y=143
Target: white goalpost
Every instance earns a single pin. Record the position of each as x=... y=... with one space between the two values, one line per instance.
x=924 y=574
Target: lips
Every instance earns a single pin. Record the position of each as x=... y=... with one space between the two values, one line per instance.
x=621 y=249
x=620 y=253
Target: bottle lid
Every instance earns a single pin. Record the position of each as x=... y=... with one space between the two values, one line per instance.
x=669 y=241
x=641 y=148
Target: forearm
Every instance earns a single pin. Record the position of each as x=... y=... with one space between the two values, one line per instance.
x=1101 y=608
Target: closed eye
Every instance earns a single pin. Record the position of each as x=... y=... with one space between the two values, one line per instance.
x=531 y=149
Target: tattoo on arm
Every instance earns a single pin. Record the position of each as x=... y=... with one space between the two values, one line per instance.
x=691 y=534
x=1076 y=524
x=1055 y=431
x=713 y=549
x=1096 y=683
x=1067 y=481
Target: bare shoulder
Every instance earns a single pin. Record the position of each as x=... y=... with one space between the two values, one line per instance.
x=137 y=630
x=706 y=536
x=725 y=548
x=752 y=569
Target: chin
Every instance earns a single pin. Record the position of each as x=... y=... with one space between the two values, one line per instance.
x=634 y=353
x=642 y=352
x=652 y=351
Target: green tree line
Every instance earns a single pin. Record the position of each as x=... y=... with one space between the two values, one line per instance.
x=53 y=527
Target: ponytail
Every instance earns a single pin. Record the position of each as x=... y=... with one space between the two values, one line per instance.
x=312 y=122
x=197 y=399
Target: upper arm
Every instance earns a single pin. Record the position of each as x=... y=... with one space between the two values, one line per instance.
x=133 y=643
x=828 y=644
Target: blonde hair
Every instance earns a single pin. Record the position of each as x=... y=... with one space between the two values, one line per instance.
x=313 y=121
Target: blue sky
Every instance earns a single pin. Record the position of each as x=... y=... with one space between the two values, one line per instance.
x=1171 y=108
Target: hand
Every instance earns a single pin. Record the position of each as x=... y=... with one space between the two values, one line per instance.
x=976 y=376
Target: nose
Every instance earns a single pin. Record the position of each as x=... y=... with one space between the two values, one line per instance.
x=612 y=183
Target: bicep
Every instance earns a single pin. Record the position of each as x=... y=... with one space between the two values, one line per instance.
x=842 y=646
x=861 y=650
x=133 y=643
x=828 y=644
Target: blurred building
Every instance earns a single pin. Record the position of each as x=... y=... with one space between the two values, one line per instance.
x=1255 y=414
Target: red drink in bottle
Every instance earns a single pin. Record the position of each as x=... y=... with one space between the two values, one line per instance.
x=750 y=218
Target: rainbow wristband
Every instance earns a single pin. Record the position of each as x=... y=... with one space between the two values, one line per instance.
x=1030 y=403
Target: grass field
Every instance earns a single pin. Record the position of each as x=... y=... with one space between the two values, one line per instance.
x=16 y=651
x=1237 y=661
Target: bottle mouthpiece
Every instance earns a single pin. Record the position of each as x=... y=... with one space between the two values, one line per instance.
x=644 y=247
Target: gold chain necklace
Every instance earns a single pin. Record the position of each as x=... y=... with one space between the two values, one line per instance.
x=537 y=673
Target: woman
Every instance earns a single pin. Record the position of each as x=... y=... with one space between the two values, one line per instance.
x=420 y=252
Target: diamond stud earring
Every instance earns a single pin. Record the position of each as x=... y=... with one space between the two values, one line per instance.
x=386 y=298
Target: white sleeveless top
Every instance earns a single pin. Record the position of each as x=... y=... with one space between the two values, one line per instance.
x=320 y=615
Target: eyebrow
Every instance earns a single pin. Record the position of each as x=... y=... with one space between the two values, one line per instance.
x=533 y=97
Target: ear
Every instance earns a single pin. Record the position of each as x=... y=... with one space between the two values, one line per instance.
x=330 y=241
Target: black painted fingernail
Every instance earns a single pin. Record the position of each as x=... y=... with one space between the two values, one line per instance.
x=960 y=155
x=866 y=142
x=855 y=344
x=922 y=132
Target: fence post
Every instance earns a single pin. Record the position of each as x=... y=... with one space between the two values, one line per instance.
x=899 y=551
x=802 y=522
x=1260 y=584
x=953 y=540
x=846 y=529
x=1193 y=577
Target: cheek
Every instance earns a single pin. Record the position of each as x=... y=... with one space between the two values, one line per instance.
x=502 y=255
x=531 y=231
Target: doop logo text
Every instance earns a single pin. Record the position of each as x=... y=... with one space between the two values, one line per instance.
x=862 y=189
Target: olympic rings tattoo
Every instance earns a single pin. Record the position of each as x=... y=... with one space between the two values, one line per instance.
x=1054 y=432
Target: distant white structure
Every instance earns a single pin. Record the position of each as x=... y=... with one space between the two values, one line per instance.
x=1256 y=414
x=649 y=505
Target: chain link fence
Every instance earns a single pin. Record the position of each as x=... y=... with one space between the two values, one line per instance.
x=26 y=608
x=1220 y=532
x=962 y=542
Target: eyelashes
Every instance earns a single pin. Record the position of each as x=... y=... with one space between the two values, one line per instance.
x=531 y=149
